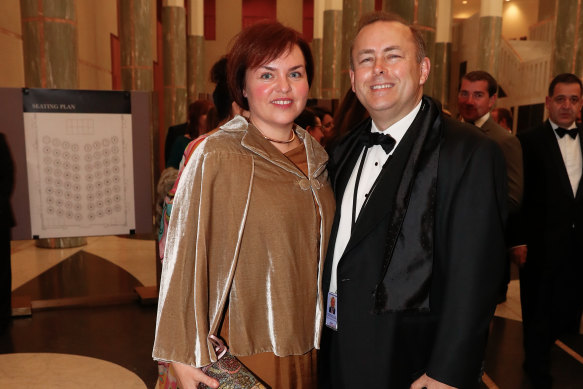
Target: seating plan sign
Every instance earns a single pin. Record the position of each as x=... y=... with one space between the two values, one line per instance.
x=79 y=162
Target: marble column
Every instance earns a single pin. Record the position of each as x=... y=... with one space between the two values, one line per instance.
x=422 y=15
x=332 y=49
x=352 y=10
x=442 y=58
x=568 y=54
x=316 y=90
x=50 y=45
x=195 y=63
x=135 y=32
x=174 y=61
x=490 y=36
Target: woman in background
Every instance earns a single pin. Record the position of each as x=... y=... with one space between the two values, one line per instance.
x=311 y=123
x=249 y=227
x=197 y=112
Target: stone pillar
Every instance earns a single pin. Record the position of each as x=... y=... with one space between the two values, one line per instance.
x=174 y=61
x=352 y=10
x=50 y=47
x=332 y=49
x=49 y=42
x=490 y=36
x=316 y=90
x=421 y=14
x=135 y=33
x=568 y=54
x=442 y=57
x=195 y=64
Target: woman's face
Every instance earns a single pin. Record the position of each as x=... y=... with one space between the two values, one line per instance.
x=327 y=125
x=277 y=91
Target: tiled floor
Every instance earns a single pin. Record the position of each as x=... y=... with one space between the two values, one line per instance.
x=109 y=343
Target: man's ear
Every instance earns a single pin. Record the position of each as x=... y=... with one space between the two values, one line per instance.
x=425 y=68
x=351 y=73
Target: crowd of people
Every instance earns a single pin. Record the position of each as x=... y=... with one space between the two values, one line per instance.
x=381 y=234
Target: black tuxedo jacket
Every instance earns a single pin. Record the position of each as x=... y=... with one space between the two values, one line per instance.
x=551 y=225
x=6 y=185
x=393 y=348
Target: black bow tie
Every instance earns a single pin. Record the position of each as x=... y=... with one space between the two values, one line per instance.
x=370 y=139
x=561 y=132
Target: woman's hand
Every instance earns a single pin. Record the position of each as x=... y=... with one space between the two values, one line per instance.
x=189 y=376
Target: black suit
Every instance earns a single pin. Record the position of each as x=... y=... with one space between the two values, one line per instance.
x=551 y=225
x=6 y=223
x=391 y=348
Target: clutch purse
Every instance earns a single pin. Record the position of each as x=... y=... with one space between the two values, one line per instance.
x=229 y=371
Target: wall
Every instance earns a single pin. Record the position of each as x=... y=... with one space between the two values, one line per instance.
x=96 y=21
x=228 y=25
x=517 y=17
x=290 y=13
x=546 y=9
x=12 y=64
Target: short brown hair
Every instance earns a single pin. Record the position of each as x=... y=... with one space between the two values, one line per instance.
x=564 y=78
x=382 y=16
x=258 y=45
x=480 y=75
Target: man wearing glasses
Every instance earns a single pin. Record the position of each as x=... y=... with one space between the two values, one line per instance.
x=549 y=231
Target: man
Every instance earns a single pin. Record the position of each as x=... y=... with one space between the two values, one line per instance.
x=549 y=235
x=503 y=117
x=416 y=250
x=476 y=97
x=6 y=224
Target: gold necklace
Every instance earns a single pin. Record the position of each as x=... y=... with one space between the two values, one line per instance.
x=293 y=136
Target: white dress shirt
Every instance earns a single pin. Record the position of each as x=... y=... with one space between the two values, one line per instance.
x=571 y=151
x=373 y=164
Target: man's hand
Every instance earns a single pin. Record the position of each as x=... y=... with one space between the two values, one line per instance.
x=427 y=382
x=189 y=376
x=518 y=255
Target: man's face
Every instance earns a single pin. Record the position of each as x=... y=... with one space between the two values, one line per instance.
x=564 y=104
x=387 y=78
x=473 y=100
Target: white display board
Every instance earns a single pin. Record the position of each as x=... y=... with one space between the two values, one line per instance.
x=79 y=163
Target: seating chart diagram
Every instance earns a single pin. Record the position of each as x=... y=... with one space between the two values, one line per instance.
x=80 y=173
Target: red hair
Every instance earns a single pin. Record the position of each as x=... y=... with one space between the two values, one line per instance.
x=258 y=45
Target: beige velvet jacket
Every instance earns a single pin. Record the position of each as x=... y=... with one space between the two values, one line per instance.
x=244 y=234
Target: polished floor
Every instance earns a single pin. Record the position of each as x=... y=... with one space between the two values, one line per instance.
x=89 y=330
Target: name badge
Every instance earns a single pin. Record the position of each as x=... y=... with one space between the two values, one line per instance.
x=332 y=311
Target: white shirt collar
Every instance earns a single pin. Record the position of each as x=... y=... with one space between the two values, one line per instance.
x=398 y=129
x=480 y=122
x=555 y=125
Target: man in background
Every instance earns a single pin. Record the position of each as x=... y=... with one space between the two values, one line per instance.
x=476 y=97
x=6 y=224
x=548 y=236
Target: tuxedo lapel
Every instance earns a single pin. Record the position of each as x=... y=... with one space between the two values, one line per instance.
x=557 y=158
x=579 y=193
x=382 y=197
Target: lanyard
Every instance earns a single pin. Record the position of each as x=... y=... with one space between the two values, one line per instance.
x=356 y=183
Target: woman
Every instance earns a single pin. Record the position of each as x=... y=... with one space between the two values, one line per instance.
x=327 y=121
x=197 y=112
x=311 y=123
x=249 y=227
